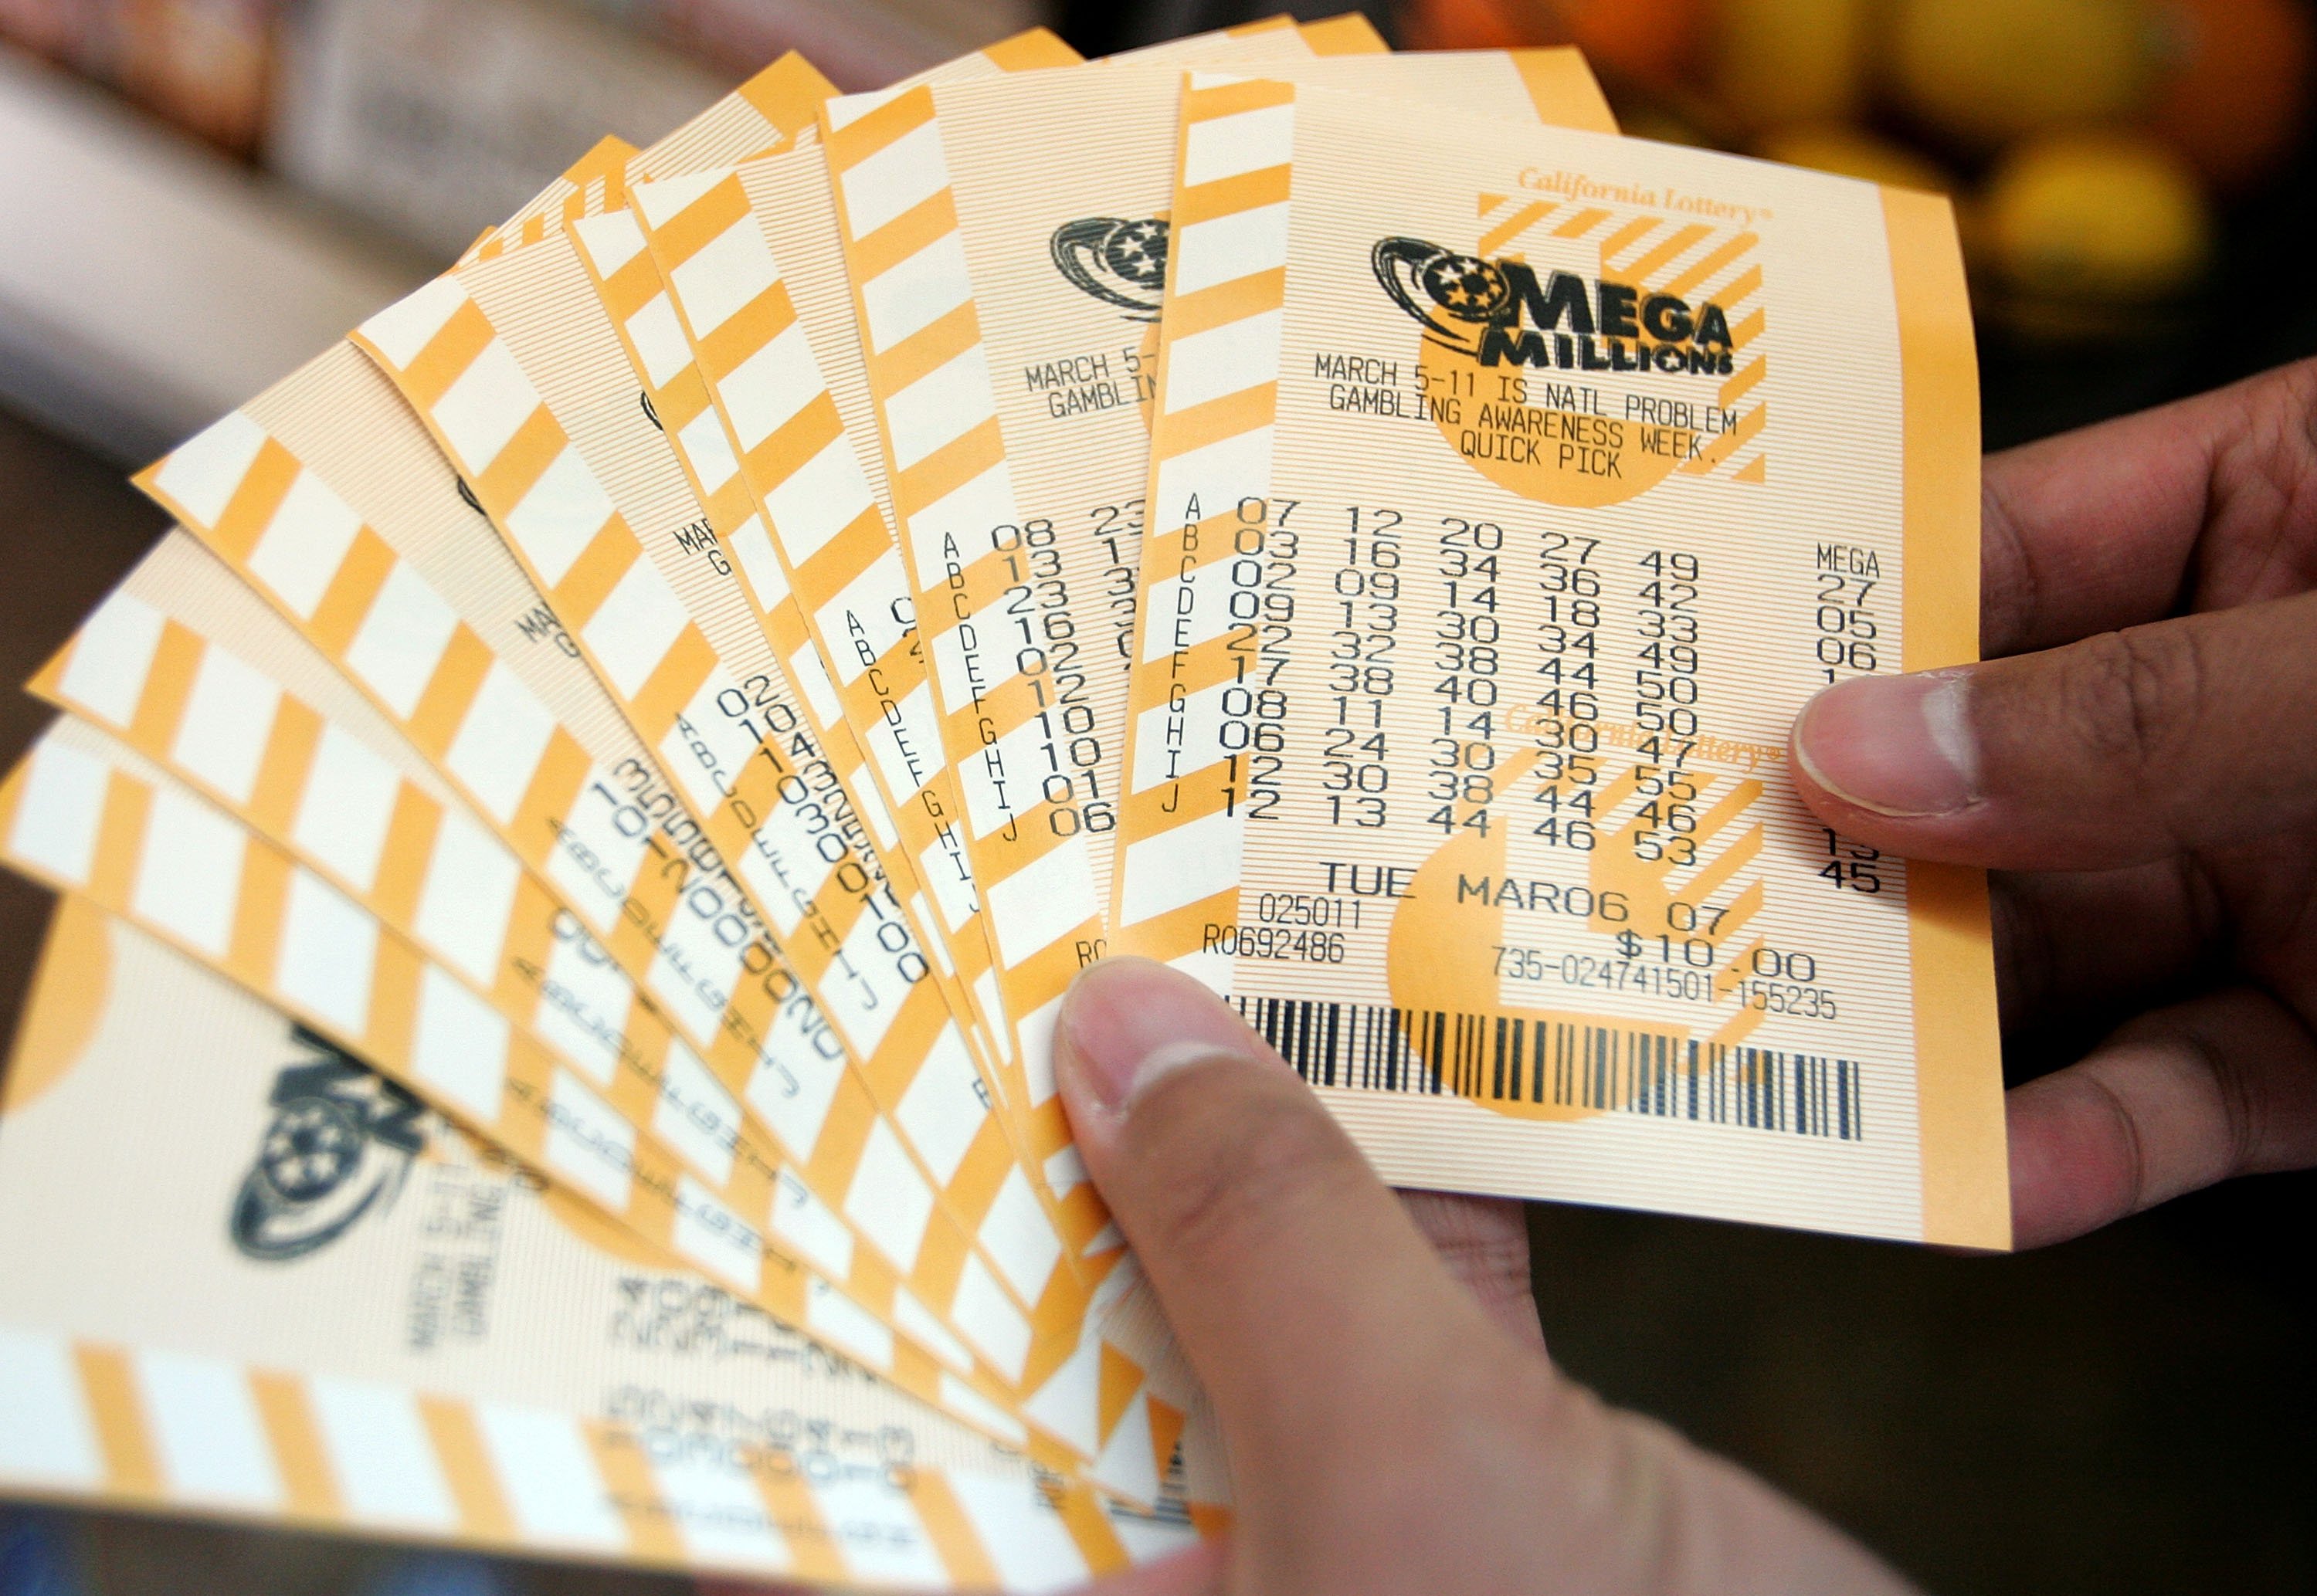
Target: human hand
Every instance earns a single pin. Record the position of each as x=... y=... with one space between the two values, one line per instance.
x=2139 y=762
x=1389 y=1429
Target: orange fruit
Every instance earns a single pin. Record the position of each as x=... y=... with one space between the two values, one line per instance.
x=2097 y=219
x=2235 y=88
x=1646 y=41
x=1466 y=24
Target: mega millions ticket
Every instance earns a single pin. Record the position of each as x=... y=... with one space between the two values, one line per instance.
x=1512 y=488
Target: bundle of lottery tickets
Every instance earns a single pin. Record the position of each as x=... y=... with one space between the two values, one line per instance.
x=572 y=849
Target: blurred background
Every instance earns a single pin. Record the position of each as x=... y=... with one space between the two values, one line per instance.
x=197 y=195
x=201 y=193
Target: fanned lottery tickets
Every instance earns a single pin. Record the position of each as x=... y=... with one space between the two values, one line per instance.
x=1011 y=408
x=575 y=844
x=317 y=922
x=812 y=484
x=327 y=1307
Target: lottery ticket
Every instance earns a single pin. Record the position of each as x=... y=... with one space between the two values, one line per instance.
x=1511 y=490
x=611 y=247
x=764 y=115
x=264 y=730
x=1006 y=255
x=335 y=506
x=803 y=460
x=329 y=1309
x=644 y=589
x=946 y=912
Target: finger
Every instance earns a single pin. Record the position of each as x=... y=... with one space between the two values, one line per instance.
x=1484 y=1242
x=1298 y=1287
x=2122 y=523
x=2224 y=1085
x=2125 y=747
x=2073 y=940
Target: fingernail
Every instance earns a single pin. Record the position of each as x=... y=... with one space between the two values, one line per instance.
x=1128 y=1022
x=1899 y=745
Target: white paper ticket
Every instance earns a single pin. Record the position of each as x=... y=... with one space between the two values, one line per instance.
x=949 y=911
x=1009 y=401
x=810 y=483
x=763 y=115
x=1511 y=491
x=650 y=598
x=902 y=1055
x=611 y=246
x=328 y=498
x=785 y=378
x=802 y=459
x=263 y=729
x=345 y=1316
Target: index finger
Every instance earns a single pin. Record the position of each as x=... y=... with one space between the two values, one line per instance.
x=2219 y=1086
x=2135 y=519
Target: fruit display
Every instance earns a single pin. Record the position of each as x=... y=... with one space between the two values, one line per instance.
x=2090 y=147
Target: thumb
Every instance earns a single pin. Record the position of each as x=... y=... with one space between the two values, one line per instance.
x=2122 y=748
x=1295 y=1282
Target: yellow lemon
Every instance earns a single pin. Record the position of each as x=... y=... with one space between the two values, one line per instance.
x=1985 y=72
x=1826 y=147
x=1789 y=61
x=2099 y=218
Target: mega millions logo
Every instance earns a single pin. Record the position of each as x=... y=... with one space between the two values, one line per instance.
x=1501 y=312
x=339 y=1145
x=1122 y=263
x=1591 y=365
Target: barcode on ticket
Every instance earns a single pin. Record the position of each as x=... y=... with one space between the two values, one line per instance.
x=1499 y=1059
